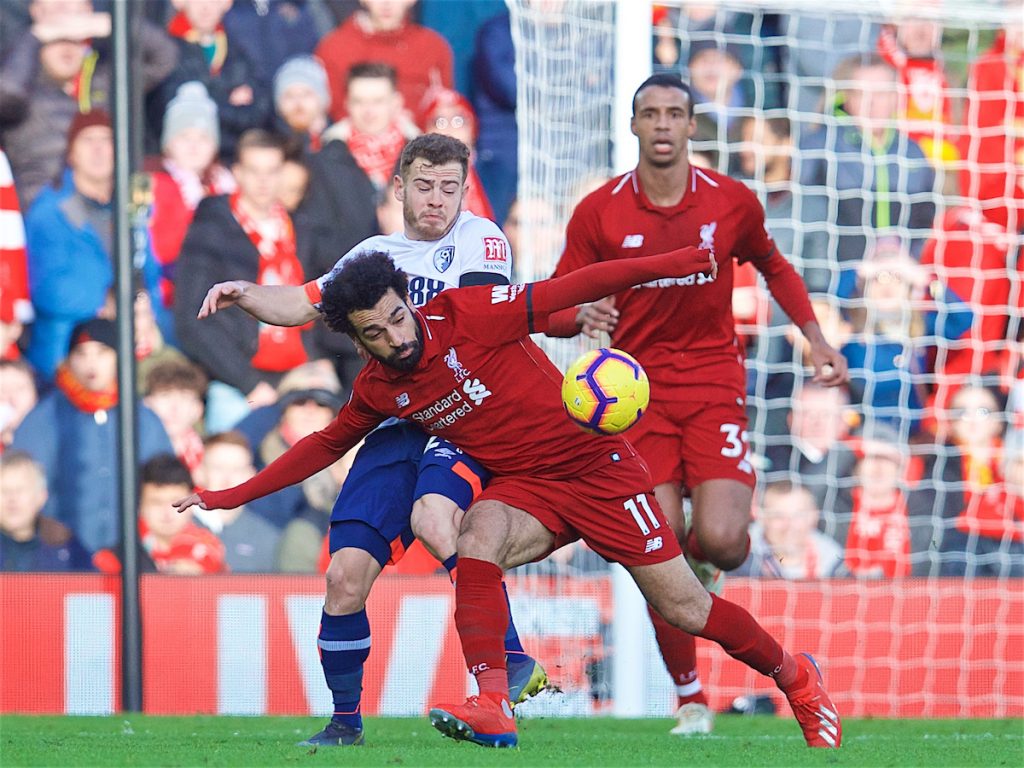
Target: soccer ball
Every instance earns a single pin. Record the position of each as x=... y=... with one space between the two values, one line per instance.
x=605 y=391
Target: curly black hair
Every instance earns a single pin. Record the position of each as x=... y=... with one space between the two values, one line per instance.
x=360 y=283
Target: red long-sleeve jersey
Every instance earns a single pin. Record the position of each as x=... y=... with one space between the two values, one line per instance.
x=682 y=330
x=481 y=383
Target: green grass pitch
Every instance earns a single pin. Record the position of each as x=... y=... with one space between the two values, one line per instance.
x=137 y=740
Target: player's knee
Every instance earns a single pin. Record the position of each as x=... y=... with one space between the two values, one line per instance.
x=433 y=523
x=688 y=615
x=728 y=549
x=346 y=591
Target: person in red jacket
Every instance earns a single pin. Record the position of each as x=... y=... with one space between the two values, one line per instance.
x=381 y=31
x=995 y=153
x=185 y=173
x=15 y=307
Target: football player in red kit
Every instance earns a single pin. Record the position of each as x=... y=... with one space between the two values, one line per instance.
x=463 y=367
x=694 y=435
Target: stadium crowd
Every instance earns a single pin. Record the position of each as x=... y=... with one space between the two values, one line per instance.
x=272 y=130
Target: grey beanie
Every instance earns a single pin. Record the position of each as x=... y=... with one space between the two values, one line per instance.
x=306 y=70
x=191 y=107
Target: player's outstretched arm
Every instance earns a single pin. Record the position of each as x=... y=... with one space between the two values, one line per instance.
x=304 y=459
x=596 y=281
x=273 y=304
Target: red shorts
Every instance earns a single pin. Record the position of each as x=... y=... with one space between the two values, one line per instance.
x=690 y=443
x=612 y=508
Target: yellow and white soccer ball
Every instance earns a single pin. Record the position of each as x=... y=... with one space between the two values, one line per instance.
x=605 y=391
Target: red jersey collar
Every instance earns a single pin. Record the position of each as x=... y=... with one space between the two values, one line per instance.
x=689 y=194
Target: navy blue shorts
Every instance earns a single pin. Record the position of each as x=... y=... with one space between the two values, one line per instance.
x=397 y=465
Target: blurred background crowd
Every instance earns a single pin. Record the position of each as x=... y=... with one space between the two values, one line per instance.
x=890 y=164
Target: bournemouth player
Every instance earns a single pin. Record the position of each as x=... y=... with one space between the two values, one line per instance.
x=399 y=485
x=464 y=367
x=695 y=434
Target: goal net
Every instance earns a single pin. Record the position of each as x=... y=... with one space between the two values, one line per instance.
x=886 y=142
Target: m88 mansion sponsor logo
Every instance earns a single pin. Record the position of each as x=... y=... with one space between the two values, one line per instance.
x=445 y=411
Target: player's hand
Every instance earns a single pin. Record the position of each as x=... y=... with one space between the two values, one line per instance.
x=183 y=505
x=221 y=296
x=689 y=260
x=598 y=317
x=830 y=368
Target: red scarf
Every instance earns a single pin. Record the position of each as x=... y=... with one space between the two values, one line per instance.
x=377 y=155
x=878 y=543
x=278 y=349
x=84 y=399
x=989 y=510
x=181 y=27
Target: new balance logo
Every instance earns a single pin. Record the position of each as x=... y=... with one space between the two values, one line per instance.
x=632 y=241
x=653 y=545
x=402 y=400
x=506 y=708
x=476 y=391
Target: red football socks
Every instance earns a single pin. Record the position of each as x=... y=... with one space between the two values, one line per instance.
x=481 y=616
x=679 y=651
x=744 y=639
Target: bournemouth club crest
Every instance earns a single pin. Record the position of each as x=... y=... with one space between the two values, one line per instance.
x=443 y=257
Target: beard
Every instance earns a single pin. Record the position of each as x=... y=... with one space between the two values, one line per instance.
x=405 y=364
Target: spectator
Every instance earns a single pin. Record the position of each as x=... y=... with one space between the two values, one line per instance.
x=815 y=455
x=302 y=100
x=250 y=542
x=294 y=187
x=458 y=22
x=69 y=234
x=18 y=396
x=30 y=541
x=61 y=68
x=304 y=538
x=680 y=31
x=887 y=529
x=988 y=534
x=375 y=129
x=209 y=55
x=494 y=96
x=173 y=542
x=175 y=390
x=185 y=173
x=15 y=307
x=667 y=45
x=881 y=179
x=795 y=216
x=715 y=74
x=971 y=255
x=784 y=540
x=995 y=157
x=900 y=321
x=380 y=31
x=449 y=114
x=249 y=236
x=272 y=31
x=73 y=433
x=816 y=44
x=914 y=47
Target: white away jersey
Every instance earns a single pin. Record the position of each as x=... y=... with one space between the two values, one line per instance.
x=474 y=244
